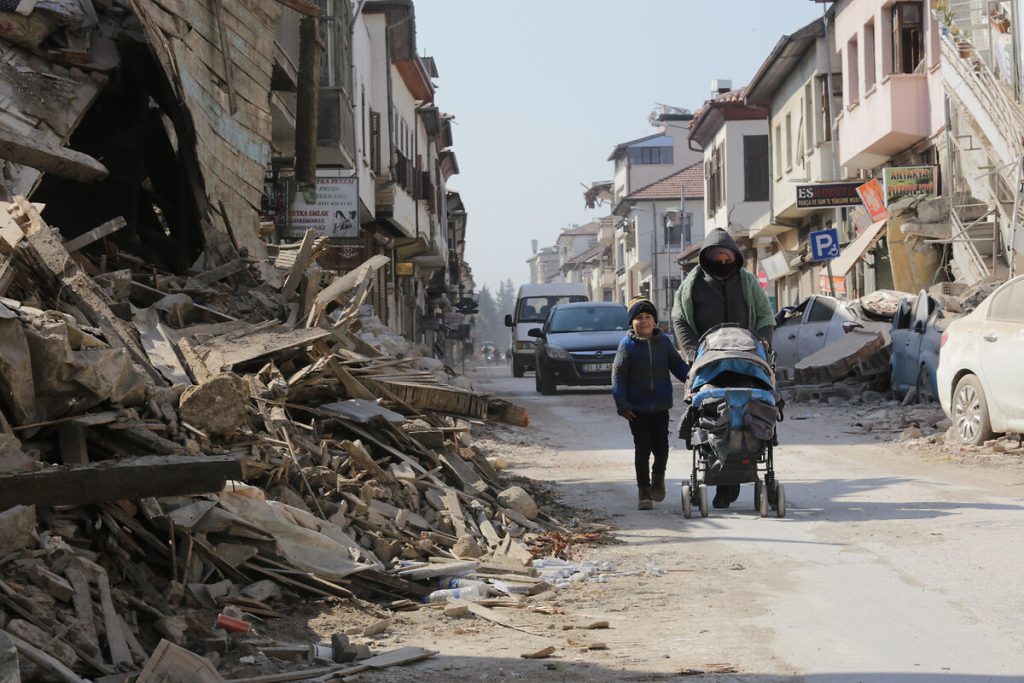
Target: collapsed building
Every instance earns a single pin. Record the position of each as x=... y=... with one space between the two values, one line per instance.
x=198 y=419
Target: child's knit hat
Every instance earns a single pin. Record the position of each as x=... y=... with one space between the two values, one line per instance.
x=641 y=305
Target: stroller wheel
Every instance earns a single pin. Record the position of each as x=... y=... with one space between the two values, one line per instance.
x=757 y=495
x=702 y=502
x=780 y=500
x=762 y=502
x=687 y=502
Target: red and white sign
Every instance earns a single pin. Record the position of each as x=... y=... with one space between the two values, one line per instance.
x=762 y=278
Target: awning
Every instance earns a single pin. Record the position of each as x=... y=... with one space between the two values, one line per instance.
x=855 y=250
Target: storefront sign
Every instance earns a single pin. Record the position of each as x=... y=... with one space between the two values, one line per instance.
x=403 y=268
x=827 y=196
x=335 y=211
x=874 y=200
x=908 y=181
x=839 y=282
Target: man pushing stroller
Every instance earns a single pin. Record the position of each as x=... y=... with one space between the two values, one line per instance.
x=720 y=290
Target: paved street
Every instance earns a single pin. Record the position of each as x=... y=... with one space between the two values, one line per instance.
x=891 y=564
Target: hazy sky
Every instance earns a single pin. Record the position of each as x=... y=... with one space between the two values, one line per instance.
x=542 y=90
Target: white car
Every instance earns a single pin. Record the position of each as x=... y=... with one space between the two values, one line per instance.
x=981 y=367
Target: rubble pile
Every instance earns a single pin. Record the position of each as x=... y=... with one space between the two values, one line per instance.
x=170 y=473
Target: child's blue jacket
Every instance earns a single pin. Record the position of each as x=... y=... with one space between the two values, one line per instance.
x=640 y=374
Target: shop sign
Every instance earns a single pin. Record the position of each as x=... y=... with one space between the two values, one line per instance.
x=827 y=195
x=334 y=212
x=839 y=282
x=403 y=268
x=909 y=181
x=874 y=200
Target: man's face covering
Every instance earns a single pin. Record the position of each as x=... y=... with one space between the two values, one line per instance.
x=720 y=262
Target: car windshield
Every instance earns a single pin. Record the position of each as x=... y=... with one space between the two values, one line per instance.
x=536 y=308
x=589 y=319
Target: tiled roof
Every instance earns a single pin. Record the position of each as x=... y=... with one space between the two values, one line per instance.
x=731 y=97
x=690 y=179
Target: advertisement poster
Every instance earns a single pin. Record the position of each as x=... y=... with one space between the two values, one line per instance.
x=874 y=200
x=909 y=181
x=335 y=213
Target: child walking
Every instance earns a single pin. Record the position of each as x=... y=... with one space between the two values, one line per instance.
x=642 y=390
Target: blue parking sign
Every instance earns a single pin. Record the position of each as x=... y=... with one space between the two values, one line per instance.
x=824 y=244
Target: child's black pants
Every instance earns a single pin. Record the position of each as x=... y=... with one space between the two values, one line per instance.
x=650 y=435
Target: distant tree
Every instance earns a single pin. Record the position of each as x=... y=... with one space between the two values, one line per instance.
x=506 y=300
x=488 y=323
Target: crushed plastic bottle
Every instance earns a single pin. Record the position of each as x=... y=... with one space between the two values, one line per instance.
x=460 y=582
x=654 y=569
x=467 y=593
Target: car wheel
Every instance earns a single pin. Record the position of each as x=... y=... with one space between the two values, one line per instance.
x=545 y=384
x=970 y=412
x=517 y=369
x=924 y=386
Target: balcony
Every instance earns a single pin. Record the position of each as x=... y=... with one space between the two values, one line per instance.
x=889 y=118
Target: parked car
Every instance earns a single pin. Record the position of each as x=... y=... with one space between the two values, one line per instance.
x=916 y=332
x=981 y=372
x=815 y=323
x=577 y=344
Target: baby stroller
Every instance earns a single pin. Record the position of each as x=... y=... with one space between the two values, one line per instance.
x=730 y=420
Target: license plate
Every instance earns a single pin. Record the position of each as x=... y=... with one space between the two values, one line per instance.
x=597 y=367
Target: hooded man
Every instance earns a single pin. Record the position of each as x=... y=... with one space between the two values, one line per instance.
x=720 y=290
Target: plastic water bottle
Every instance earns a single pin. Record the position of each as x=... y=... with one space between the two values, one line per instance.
x=460 y=582
x=467 y=593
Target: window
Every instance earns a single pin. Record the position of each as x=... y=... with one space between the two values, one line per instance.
x=789 y=142
x=714 y=175
x=1008 y=304
x=650 y=155
x=826 y=104
x=869 y=55
x=907 y=40
x=809 y=139
x=672 y=284
x=822 y=310
x=755 y=167
x=778 y=152
x=853 y=71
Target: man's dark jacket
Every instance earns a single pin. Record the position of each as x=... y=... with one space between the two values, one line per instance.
x=703 y=301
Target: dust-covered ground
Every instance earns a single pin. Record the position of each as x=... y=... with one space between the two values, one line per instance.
x=896 y=561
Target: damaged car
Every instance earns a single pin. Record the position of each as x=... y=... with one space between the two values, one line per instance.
x=916 y=333
x=980 y=373
x=820 y=320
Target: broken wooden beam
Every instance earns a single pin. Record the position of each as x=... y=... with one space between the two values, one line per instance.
x=49 y=158
x=148 y=475
x=97 y=233
x=291 y=283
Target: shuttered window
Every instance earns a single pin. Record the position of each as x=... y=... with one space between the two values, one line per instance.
x=755 y=168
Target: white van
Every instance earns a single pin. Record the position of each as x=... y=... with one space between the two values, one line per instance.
x=532 y=306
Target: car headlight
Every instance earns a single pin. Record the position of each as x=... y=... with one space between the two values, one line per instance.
x=558 y=353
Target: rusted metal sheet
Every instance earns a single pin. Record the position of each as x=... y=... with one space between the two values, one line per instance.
x=233 y=149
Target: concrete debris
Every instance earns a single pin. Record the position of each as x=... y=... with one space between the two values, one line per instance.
x=519 y=500
x=197 y=463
